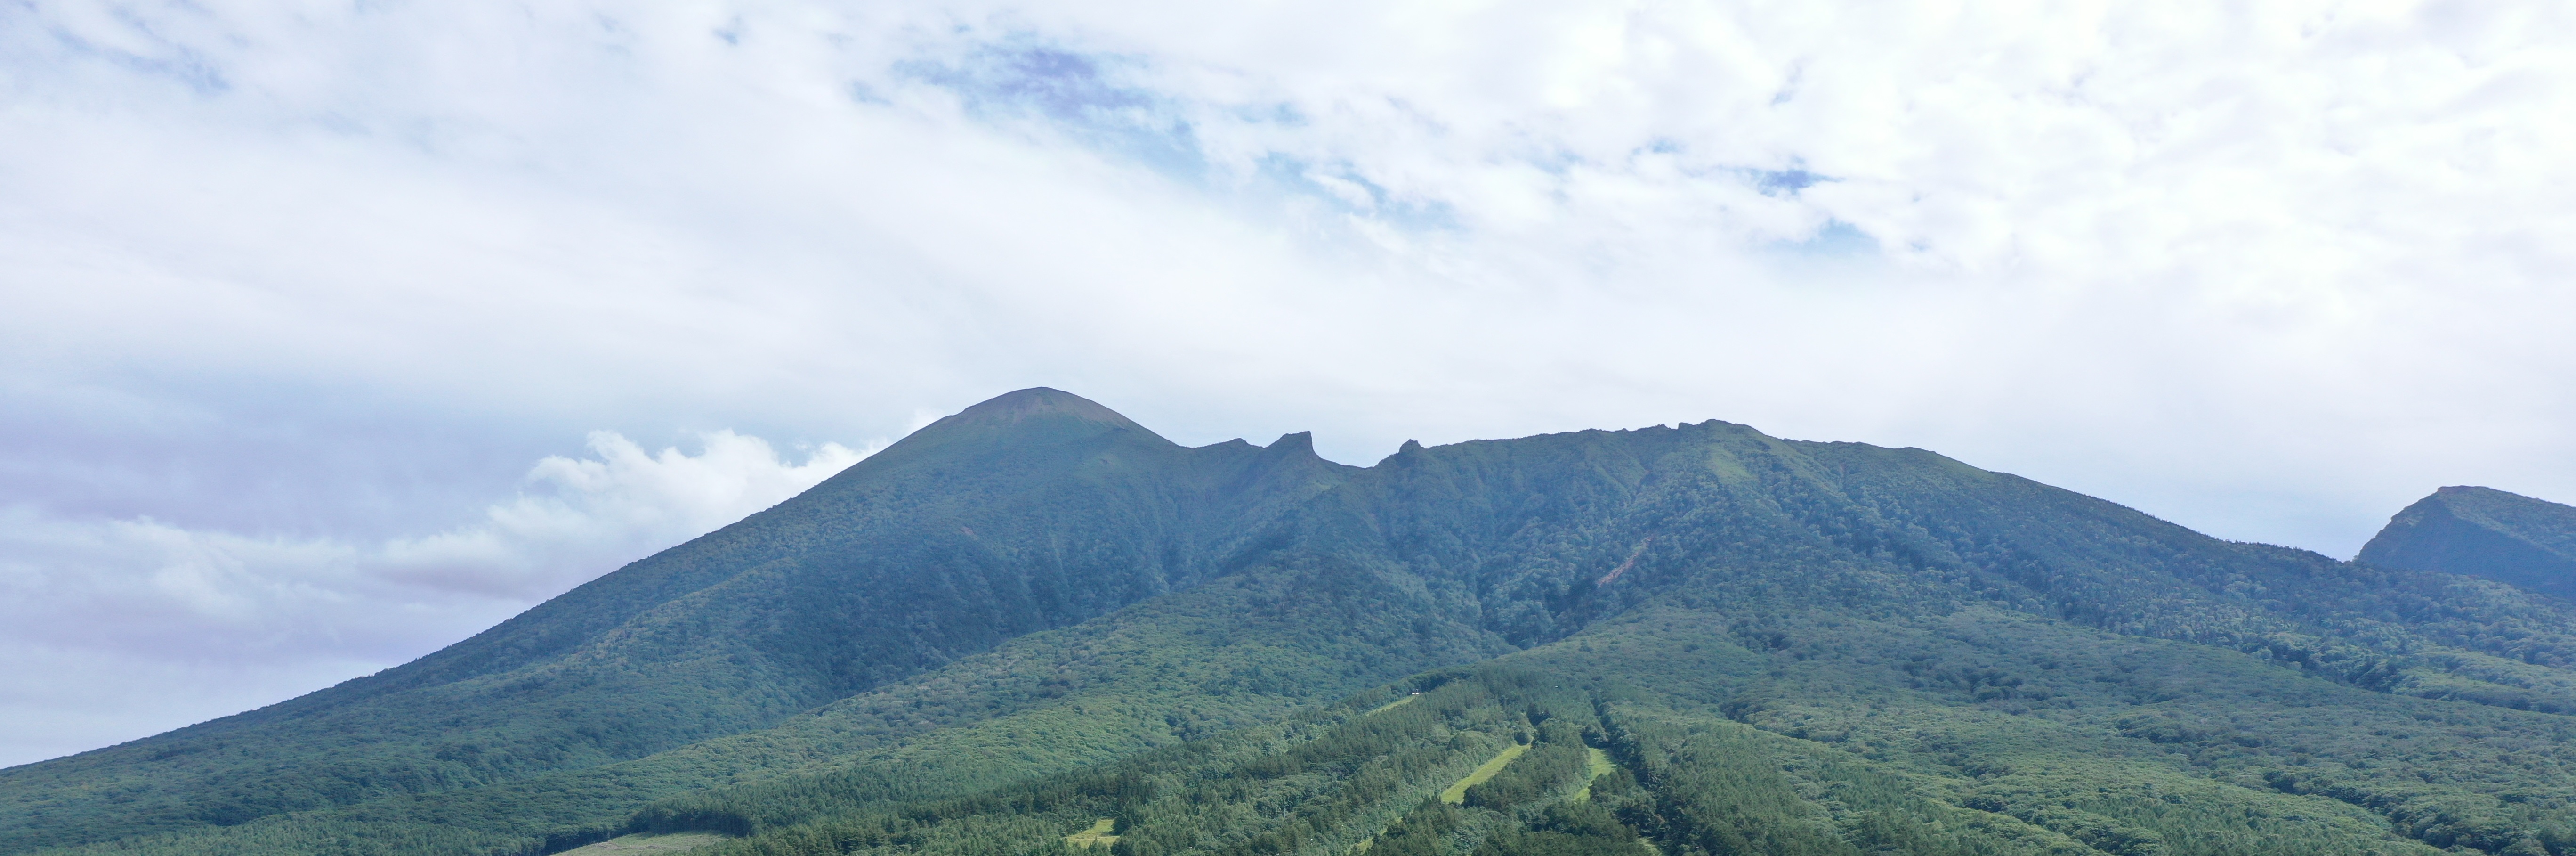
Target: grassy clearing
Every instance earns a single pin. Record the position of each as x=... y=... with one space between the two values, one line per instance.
x=1598 y=765
x=1097 y=836
x=1393 y=704
x=644 y=845
x=1457 y=793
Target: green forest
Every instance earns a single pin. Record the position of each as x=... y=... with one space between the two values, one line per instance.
x=1037 y=628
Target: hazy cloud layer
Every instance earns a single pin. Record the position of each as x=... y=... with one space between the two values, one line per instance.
x=296 y=288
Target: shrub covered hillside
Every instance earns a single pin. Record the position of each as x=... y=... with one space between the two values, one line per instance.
x=1035 y=617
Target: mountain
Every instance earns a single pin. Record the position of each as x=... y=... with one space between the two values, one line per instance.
x=2483 y=532
x=1035 y=510
x=1036 y=617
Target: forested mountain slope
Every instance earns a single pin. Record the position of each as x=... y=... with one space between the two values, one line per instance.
x=2483 y=532
x=1781 y=646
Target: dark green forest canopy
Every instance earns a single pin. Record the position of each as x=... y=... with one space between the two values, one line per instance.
x=1036 y=615
x=2483 y=532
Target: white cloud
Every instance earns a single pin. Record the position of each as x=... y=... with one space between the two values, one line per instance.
x=625 y=502
x=96 y=612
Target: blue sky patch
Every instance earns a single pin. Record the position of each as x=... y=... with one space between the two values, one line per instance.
x=1076 y=91
x=1836 y=240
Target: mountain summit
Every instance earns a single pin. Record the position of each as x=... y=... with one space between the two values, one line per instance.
x=1040 y=402
x=1037 y=627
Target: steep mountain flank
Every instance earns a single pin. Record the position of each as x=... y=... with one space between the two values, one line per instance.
x=1035 y=615
x=2483 y=532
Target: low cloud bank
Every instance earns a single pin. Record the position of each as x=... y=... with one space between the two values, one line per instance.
x=117 y=629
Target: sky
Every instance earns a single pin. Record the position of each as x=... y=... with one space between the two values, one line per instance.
x=334 y=332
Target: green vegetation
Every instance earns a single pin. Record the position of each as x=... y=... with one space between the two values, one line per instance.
x=1688 y=777
x=1690 y=641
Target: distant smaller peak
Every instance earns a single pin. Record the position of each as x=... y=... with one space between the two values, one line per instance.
x=1410 y=451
